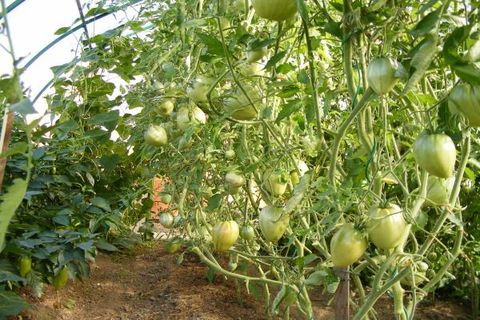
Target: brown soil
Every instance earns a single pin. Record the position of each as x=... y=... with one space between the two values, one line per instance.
x=149 y=284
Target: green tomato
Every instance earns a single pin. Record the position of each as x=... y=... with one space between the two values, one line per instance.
x=199 y=89
x=190 y=116
x=347 y=246
x=238 y=106
x=275 y=182
x=438 y=190
x=24 y=265
x=419 y=272
x=386 y=226
x=166 y=219
x=381 y=75
x=224 y=235
x=173 y=245
x=273 y=223
x=294 y=177
x=247 y=233
x=465 y=99
x=277 y=10
x=436 y=154
x=233 y=182
x=166 y=107
x=256 y=54
x=165 y=198
x=156 y=136
x=61 y=278
x=230 y=154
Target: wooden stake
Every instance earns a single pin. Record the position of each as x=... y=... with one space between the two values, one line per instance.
x=342 y=296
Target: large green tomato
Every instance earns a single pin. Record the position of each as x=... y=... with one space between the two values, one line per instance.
x=156 y=136
x=173 y=245
x=381 y=75
x=238 y=106
x=386 y=226
x=465 y=98
x=347 y=246
x=224 y=235
x=273 y=223
x=436 y=154
x=275 y=182
x=439 y=190
x=277 y=10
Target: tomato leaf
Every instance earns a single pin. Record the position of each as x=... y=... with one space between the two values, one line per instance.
x=214 y=46
x=214 y=202
x=302 y=10
x=453 y=42
x=11 y=304
x=427 y=23
x=11 y=200
x=468 y=72
x=287 y=110
x=276 y=58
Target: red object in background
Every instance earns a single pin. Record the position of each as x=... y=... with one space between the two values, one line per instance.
x=158 y=206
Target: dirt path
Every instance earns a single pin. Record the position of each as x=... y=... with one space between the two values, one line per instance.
x=150 y=285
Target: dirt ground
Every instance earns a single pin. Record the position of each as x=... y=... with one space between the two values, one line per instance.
x=149 y=284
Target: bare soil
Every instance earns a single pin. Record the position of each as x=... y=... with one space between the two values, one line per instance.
x=149 y=284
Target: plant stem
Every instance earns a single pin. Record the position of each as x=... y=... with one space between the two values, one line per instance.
x=362 y=104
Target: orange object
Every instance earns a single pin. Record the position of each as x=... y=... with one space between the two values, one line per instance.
x=158 y=206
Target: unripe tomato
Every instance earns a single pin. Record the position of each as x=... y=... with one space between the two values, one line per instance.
x=436 y=154
x=386 y=226
x=166 y=107
x=230 y=154
x=187 y=117
x=61 y=278
x=247 y=233
x=438 y=190
x=165 y=198
x=381 y=75
x=275 y=182
x=166 y=219
x=173 y=245
x=252 y=69
x=238 y=106
x=156 y=136
x=199 y=89
x=465 y=98
x=256 y=54
x=347 y=246
x=233 y=182
x=294 y=177
x=224 y=235
x=24 y=265
x=419 y=271
x=273 y=223
x=277 y=10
